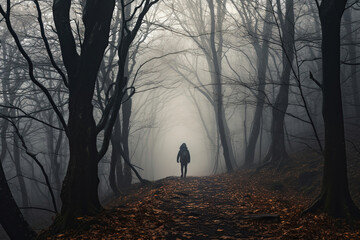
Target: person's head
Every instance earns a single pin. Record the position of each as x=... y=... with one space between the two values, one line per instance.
x=183 y=145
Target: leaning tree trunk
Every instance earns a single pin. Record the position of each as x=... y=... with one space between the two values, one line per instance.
x=277 y=152
x=334 y=198
x=11 y=218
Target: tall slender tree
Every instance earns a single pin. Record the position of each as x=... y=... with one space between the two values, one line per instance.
x=211 y=42
x=277 y=152
x=261 y=47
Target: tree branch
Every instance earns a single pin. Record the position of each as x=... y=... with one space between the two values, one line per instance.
x=31 y=66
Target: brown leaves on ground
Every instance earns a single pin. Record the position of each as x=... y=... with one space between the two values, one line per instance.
x=214 y=207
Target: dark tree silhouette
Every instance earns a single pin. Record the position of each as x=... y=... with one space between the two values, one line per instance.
x=334 y=197
x=79 y=193
x=11 y=218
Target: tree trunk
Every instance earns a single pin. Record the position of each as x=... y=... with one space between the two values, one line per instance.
x=56 y=161
x=245 y=129
x=334 y=198
x=11 y=218
x=219 y=93
x=54 y=146
x=116 y=171
x=277 y=151
x=126 y=114
x=352 y=59
x=79 y=193
x=262 y=55
x=19 y=173
x=208 y=131
x=4 y=127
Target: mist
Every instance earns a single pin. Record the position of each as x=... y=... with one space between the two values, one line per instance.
x=97 y=98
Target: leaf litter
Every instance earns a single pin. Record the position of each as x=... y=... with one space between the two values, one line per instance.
x=226 y=206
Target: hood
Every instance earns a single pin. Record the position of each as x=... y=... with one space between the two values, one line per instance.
x=183 y=146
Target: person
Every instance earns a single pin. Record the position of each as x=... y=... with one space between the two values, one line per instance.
x=184 y=157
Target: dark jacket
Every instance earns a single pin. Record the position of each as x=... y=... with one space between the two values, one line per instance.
x=183 y=155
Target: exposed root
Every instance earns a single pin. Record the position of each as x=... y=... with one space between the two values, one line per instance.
x=347 y=210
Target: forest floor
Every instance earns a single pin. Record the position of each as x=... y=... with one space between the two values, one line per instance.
x=244 y=204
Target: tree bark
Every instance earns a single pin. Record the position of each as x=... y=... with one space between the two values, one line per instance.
x=126 y=114
x=334 y=198
x=54 y=145
x=219 y=92
x=11 y=218
x=277 y=150
x=352 y=59
x=262 y=54
x=116 y=170
x=79 y=193
x=19 y=173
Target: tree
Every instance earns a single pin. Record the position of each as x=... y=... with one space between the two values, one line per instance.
x=79 y=193
x=219 y=106
x=334 y=198
x=350 y=36
x=120 y=174
x=207 y=34
x=11 y=218
x=13 y=98
x=262 y=55
x=277 y=152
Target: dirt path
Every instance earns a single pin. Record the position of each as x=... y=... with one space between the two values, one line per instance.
x=213 y=207
x=201 y=208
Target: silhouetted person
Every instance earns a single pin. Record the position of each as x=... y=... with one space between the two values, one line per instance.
x=184 y=156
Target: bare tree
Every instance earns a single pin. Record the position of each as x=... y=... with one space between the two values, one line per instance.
x=207 y=34
x=79 y=192
x=334 y=197
x=277 y=152
x=250 y=20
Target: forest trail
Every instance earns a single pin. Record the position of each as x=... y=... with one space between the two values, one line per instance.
x=214 y=207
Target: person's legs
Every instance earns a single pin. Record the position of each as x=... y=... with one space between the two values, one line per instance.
x=182 y=167
x=185 y=165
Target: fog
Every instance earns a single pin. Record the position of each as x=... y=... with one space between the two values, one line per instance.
x=180 y=125
x=239 y=82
